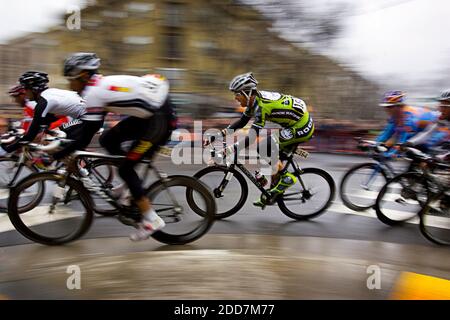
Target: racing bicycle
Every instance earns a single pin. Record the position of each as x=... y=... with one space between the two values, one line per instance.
x=308 y=198
x=66 y=212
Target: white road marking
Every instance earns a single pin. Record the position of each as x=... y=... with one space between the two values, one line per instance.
x=341 y=208
x=38 y=215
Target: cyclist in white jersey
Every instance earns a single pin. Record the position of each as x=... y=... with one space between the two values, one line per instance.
x=51 y=103
x=151 y=119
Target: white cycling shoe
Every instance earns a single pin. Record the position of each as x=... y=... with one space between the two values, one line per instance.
x=147 y=228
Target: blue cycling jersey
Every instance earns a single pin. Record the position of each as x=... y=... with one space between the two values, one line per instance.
x=412 y=121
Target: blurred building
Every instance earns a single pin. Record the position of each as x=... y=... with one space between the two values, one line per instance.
x=199 y=45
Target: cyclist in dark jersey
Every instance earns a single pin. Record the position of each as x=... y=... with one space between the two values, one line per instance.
x=51 y=104
x=17 y=92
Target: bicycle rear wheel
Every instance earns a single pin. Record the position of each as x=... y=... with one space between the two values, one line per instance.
x=435 y=219
x=302 y=203
x=170 y=201
x=54 y=221
x=11 y=172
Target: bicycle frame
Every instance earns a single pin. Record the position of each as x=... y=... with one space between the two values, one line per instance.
x=289 y=161
x=104 y=191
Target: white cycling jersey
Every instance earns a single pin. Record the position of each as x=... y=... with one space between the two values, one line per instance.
x=62 y=103
x=127 y=95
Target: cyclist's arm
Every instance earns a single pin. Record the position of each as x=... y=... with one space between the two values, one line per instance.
x=387 y=132
x=257 y=125
x=239 y=124
x=424 y=136
x=33 y=130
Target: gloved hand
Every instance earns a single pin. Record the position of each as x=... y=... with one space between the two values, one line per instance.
x=392 y=152
x=206 y=142
x=212 y=138
x=405 y=145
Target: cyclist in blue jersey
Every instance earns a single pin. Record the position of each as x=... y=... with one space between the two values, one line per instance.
x=404 y=122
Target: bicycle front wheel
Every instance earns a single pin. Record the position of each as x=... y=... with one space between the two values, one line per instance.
x=228 y=186
x=435 y=219
x=170 y=201
x=360 y=186
x=55 y=221
x=310 y=196
x=11 y=173
x=401 y=198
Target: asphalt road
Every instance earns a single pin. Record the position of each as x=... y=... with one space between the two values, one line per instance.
x=330 y=253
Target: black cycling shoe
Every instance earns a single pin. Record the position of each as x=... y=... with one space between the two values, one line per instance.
x=130 y=215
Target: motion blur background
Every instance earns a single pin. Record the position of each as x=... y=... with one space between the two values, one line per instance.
x=339 y=56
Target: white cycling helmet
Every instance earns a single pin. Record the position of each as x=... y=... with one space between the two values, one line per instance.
x=243 y=82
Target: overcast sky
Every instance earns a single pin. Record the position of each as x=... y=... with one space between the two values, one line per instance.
x=393 y=41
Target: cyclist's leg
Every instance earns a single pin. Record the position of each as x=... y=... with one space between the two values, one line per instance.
x=128 y=129
x=154 y=133
x=290 y=138
x=81 y=132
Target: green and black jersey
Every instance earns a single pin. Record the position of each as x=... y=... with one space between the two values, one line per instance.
x=289 y=112
x=285 y=110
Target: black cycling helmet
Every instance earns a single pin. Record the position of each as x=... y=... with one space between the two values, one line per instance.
x=80 y=61
x=34 y=80
x=445 y=96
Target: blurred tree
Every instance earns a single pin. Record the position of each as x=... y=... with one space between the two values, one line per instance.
x=302 y=22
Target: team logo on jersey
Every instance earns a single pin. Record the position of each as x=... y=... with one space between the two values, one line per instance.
x=119 y=89
x=287 y=134
x=268 y=95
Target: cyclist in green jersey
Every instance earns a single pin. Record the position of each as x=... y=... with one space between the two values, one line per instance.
x=289 y=112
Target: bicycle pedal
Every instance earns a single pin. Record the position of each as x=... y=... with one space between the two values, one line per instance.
x=259 y=205
x=129 y=221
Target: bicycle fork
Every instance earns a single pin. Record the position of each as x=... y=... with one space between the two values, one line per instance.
x=178 y=209
x=222 y=185
x=306 y=194
x=374 y=173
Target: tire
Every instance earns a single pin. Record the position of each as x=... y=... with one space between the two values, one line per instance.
x=221 y=171
x=11 y=165
x=29 y=232
x=398 y=201
x=350 y=203
x=166 y=235
x=438 y=234
x=286 y=197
